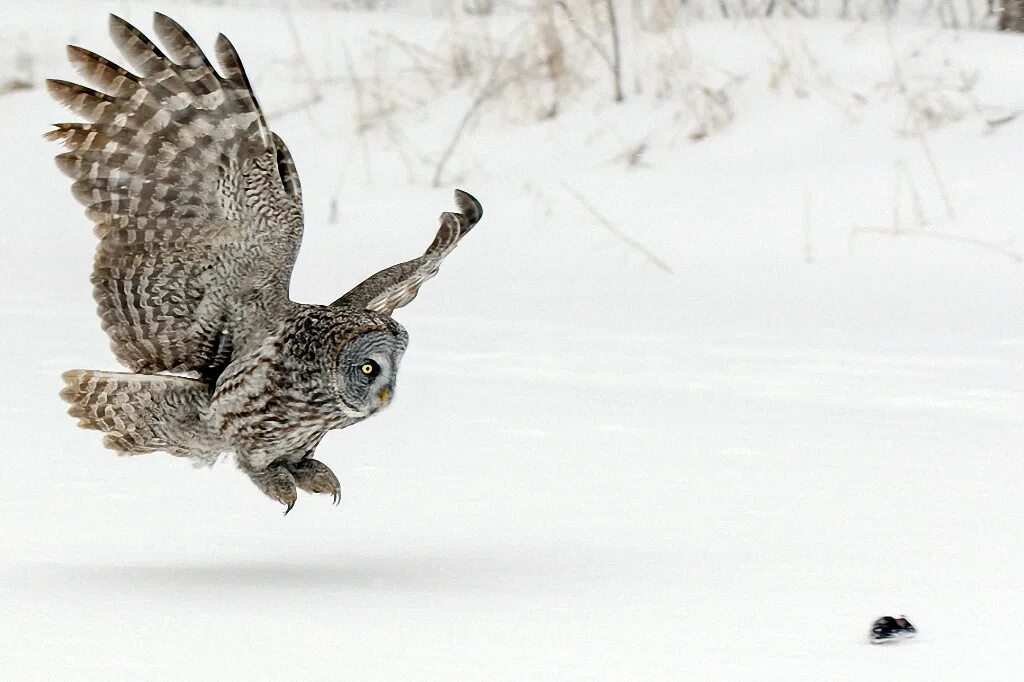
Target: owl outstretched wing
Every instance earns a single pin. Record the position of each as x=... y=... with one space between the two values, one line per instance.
x=196 y=203
x=398 y=285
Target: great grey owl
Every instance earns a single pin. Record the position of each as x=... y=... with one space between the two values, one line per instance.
x=198 y=209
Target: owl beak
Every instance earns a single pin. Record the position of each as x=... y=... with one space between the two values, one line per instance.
x=384 y=395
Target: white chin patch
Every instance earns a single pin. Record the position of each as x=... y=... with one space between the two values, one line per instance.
x=353 y=413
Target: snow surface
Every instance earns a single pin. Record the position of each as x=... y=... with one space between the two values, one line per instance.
x=594 y=469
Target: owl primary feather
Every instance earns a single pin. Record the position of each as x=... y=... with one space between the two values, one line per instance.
x=198 y=209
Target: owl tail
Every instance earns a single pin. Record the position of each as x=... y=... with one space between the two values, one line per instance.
x=142 y=412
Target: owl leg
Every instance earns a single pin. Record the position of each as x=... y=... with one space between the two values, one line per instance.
x=314 y=476
x=277 y=483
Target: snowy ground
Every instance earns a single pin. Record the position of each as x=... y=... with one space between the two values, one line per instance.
x=594 y=468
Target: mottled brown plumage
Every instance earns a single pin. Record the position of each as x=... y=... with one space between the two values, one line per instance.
x=198 y=208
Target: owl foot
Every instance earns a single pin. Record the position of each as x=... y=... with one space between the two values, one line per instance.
x=277 y=483
x=315 y=477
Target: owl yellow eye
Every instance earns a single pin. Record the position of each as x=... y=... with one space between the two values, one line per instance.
x=370 y=368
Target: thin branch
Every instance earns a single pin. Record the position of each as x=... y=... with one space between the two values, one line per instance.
x=415 y=52
x=915 y=196
x=14 y=85
x=919 y=131
x=488 y=91
x=316 y=96
x=614 y=60
x=616 y=51
x=586 y=35
x=944 y=236
x=923 y=139
x=994 y=123
x=302 y=105
x=616 y=232
x=491 y=88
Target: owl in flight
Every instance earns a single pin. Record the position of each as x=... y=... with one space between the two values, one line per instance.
x=198 y=209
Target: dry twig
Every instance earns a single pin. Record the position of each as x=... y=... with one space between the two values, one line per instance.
x=494 y=85
x=945 y=236
x=613 y=60
x=918 y=131
x=616 y=232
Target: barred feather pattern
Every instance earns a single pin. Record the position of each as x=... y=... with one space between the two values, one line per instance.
x=196 y=203
x=397 y=286
x=142 y=413
x=197 y=206
x=279 y=400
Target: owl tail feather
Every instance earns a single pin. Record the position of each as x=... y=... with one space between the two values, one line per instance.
x=142 y=412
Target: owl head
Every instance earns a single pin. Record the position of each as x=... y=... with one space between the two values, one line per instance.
x=342 y=358
x=373 y=341
x=367 y=368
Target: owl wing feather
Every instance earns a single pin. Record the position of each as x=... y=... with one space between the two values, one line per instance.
x=399 y=284
x=194 y=200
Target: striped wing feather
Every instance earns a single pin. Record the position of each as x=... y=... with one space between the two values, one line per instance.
x=396 y=286
x=190 y=192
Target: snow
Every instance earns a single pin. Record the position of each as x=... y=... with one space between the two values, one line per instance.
x=593 y=469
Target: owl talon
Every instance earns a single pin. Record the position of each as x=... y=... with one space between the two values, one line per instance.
x=182 y=293
x=278 y=484
x=315 y=477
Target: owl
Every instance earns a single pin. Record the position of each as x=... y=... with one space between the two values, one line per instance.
x=198 y=210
